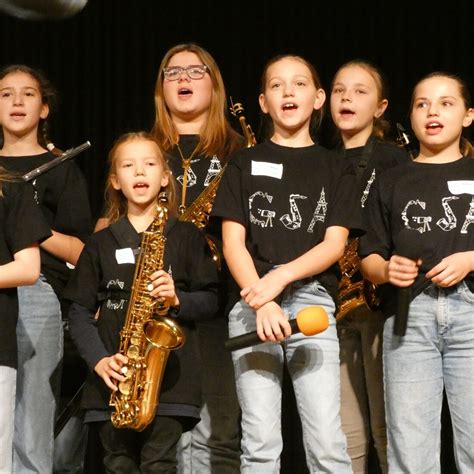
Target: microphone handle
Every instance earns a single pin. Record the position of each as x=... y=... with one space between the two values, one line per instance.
x=401 y=316
x=252 y=339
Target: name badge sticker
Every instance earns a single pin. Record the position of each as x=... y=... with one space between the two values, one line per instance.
x=461 y=187
x=263 y=168
x=124 y=256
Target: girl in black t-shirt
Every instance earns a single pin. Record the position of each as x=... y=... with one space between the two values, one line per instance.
x=61 y=193
x=358 y=102
x=421 y=240
x=192 y=127
x=287 y=206
x=103 y=279
x=22 y=227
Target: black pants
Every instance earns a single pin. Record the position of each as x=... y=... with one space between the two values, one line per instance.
x=150 y=451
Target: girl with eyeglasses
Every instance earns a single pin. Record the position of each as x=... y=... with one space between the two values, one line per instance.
x=192 y=127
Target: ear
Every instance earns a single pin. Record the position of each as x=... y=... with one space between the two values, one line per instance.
x=467 y=122
x=115 y=182
x=165 y=178
x=44 y=111
x=263 y=103
x=381 y=108
x=320 y=99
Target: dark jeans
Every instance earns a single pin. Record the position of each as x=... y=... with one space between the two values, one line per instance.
x=150 y=451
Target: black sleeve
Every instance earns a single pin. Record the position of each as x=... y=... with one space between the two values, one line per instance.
x=85 y=335
x=83 y=285
x=200 y=299
x=73 y=215
x=25 y=222
x=377 y=238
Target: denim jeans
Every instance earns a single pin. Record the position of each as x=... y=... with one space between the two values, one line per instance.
x=40 y=347
x=213 y=445
x=362 y=398
x=313 y=365
x=7 y=417
x=437 y=350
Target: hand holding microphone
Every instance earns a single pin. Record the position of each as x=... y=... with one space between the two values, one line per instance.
x=310 y=321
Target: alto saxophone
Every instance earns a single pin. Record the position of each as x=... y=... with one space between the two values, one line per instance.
x=200 y=210
x=147 y=336
x=354 y=291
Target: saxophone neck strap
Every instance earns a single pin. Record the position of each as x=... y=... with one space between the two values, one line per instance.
x=366 y=155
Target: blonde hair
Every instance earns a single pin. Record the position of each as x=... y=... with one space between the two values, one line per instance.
x=116 y=202
x=217 y=137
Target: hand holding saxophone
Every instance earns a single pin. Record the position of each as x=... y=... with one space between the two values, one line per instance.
x=110 y=369
x=162 y=286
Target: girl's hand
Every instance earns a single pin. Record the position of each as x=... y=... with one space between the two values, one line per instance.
x=452 y=269
x=110 y=368
x=162 y=286
x=402 y=271
x=272 y=323
x=266 y=289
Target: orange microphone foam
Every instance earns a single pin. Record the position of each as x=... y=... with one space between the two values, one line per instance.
x=310 y=321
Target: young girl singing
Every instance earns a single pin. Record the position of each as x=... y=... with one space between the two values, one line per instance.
x=61 y=193
x=358 y=102
x=191 y=125
x=287 y=207
x=103 y=279
x=22 y=227
x=421 y=240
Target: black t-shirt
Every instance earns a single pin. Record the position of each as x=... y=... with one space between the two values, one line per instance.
x=103 y=278
x=62 y=195
x=433 y=204
x=21 y=226
x=286 y=198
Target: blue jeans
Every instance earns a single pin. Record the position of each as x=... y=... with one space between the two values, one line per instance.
x=437 y=351
x=313 y=365
x=40 y=348
x=7 y=417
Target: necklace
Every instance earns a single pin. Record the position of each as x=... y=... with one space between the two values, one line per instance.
x=185 y=163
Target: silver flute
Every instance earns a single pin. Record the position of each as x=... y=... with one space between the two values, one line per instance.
x=56 y=161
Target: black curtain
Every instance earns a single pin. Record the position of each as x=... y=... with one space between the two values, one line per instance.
x=104 y=60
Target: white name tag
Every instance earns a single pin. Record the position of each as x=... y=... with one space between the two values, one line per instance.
x=262 y=168
x=461 y=187
x=124 y=256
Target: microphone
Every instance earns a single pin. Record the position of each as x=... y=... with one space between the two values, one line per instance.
x=310 y=321
x=404 y=141
x=409 y=245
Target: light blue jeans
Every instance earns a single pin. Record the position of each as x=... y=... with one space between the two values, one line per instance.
x=7 y=417
x=437 y=351
x=40 y=348
x=313 y=365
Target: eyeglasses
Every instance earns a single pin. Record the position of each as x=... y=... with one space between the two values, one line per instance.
x=193 y=72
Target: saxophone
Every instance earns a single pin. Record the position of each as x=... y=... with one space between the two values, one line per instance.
x=200 y=210
x=146 y=337
x=354 y=291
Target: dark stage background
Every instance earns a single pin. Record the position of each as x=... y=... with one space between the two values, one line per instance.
x=104 y=60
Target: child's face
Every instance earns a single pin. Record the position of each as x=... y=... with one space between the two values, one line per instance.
x=355 y=101
x=21 y=106
x=139 y=173
x=439 y=114
x=290 y=95
x=187 y=99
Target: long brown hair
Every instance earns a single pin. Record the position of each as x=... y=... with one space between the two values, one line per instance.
x=48 y=97
x=465 y=145
x=217 y=137
x=117 y=203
